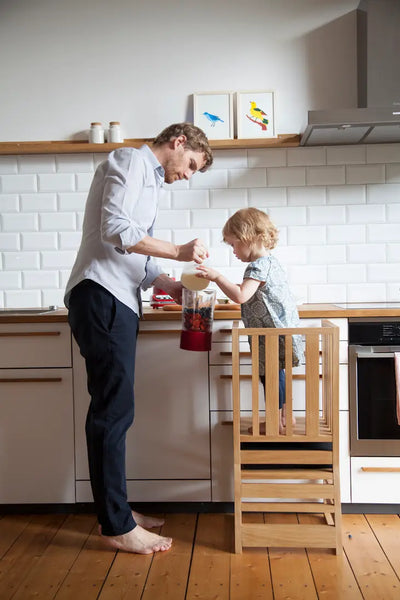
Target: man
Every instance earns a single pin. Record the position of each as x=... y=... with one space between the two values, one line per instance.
x=114 y=262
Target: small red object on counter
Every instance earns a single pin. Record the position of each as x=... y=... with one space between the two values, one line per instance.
x=160 y=298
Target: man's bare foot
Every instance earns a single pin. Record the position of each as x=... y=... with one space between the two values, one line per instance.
x=139 y=541
x=147 y=522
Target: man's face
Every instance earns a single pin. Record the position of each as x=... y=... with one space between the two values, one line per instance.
x=181 y=163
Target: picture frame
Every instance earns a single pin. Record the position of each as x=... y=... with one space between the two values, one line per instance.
x=255 y=114
x=213 y=113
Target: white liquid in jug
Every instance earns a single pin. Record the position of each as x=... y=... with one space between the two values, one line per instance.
x=194 y=283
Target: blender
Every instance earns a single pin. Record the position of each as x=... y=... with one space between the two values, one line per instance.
x=197 y=311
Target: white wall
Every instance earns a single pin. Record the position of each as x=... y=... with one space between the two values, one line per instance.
x=67 y=63
x=337 y=208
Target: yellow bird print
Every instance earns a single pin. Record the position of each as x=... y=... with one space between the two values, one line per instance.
x=259 y=116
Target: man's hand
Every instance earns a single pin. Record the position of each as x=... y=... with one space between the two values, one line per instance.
x=194 y=250
x=171 y=287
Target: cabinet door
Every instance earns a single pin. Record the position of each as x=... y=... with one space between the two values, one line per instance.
x=169 y=438
x=375 y=479
x=36 y=436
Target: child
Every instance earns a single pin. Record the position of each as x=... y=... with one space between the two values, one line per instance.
x=264 y=293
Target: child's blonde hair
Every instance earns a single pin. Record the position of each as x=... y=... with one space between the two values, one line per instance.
x=250 y=225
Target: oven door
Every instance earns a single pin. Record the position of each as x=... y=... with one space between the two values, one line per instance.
x=374 y=430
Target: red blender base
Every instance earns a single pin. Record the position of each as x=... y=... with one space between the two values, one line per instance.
x=199 y=341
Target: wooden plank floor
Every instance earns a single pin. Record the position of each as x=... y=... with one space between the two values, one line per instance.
x=61 y=557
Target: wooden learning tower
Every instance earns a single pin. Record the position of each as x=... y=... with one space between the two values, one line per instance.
x=294 y=469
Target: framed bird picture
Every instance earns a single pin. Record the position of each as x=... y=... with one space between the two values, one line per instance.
x=213 y=113
x=255 y=115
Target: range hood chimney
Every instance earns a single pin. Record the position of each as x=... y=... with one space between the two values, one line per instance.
x=377 y=118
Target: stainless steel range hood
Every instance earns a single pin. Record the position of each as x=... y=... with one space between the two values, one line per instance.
x=377 y=118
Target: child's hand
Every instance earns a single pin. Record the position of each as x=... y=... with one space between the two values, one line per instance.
x=206 y=273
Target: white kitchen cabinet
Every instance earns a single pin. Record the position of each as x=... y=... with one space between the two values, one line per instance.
x=36 y=414
x=375 y=479
x=168 y=447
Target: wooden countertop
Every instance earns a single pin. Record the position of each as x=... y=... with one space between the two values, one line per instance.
x=316 y=311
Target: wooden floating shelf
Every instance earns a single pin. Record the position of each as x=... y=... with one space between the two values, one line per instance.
x=285 y=140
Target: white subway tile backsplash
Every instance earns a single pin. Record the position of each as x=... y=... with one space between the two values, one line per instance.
x=366 y=253
x=69 y=240
x=267 y=157
x=69 y=201
x=182 y=199
x=182 y=236
x=10 y=184
x=9 y=203
x=383 y=233
x=306 y=156
x=288 y=215
x=370 y=213
x=9 y=241
x=346 y=234
x=286 y=176
x=309 y=273
x=22 y=298
x=383 y=153
x=62 y=259
x=57 y=222
x=13 y=261
x=10 y=280
x=8 y=165
x=171 y=219
x=327 y=293
x=306 y=196
x=39 y=241
x=234 y=198
x=203 y=218
x=214 y=178
x=330 y=175
x=393 y=253
x=346 y=155
x=83 y=181
x=230 y=159
x=75 y=163
x=393 y=173
x=38 y=202
x=40 y=279
x=306 y=235
x=57 y=182
x=339 y=239
x=246 y=178
x=383 y=194
x=365 y=174
x=346 y=273
x=37 y=163
x=326 y=215
x=346 y=194
x=325 y=255
x=383 y=273
x=19 y=222
x=266 y=197
x=366 y=292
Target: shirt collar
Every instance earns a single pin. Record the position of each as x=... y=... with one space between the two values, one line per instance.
x=158 y=168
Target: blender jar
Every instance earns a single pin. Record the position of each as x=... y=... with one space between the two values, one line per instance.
x=197 y=319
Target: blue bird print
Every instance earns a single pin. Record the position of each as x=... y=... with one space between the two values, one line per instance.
x=212 y=118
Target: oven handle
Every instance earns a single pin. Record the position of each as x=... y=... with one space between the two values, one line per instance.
x=375 y=354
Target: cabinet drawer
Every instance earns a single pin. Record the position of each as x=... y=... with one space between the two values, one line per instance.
x=375 y=479
x=221 y=353
x=35 y=345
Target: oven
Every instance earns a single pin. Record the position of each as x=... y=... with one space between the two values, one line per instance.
x=374 y=430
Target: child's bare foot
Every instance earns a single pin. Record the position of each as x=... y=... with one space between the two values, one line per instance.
x=283 y=413
x=147 y=522
x=139 y=541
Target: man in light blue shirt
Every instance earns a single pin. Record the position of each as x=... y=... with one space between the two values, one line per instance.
x=114 y=262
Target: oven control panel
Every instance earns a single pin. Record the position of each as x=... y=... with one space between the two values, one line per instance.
x=374 y=332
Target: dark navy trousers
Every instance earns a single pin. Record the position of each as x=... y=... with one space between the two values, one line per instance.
x=106 y=332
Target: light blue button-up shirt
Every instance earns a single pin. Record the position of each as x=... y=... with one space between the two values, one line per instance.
x=120 y=211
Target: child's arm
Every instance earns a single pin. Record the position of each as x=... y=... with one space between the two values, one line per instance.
x=238 y=293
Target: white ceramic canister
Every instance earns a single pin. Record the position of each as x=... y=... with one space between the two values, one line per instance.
x=114 y=133
x=96 y=133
